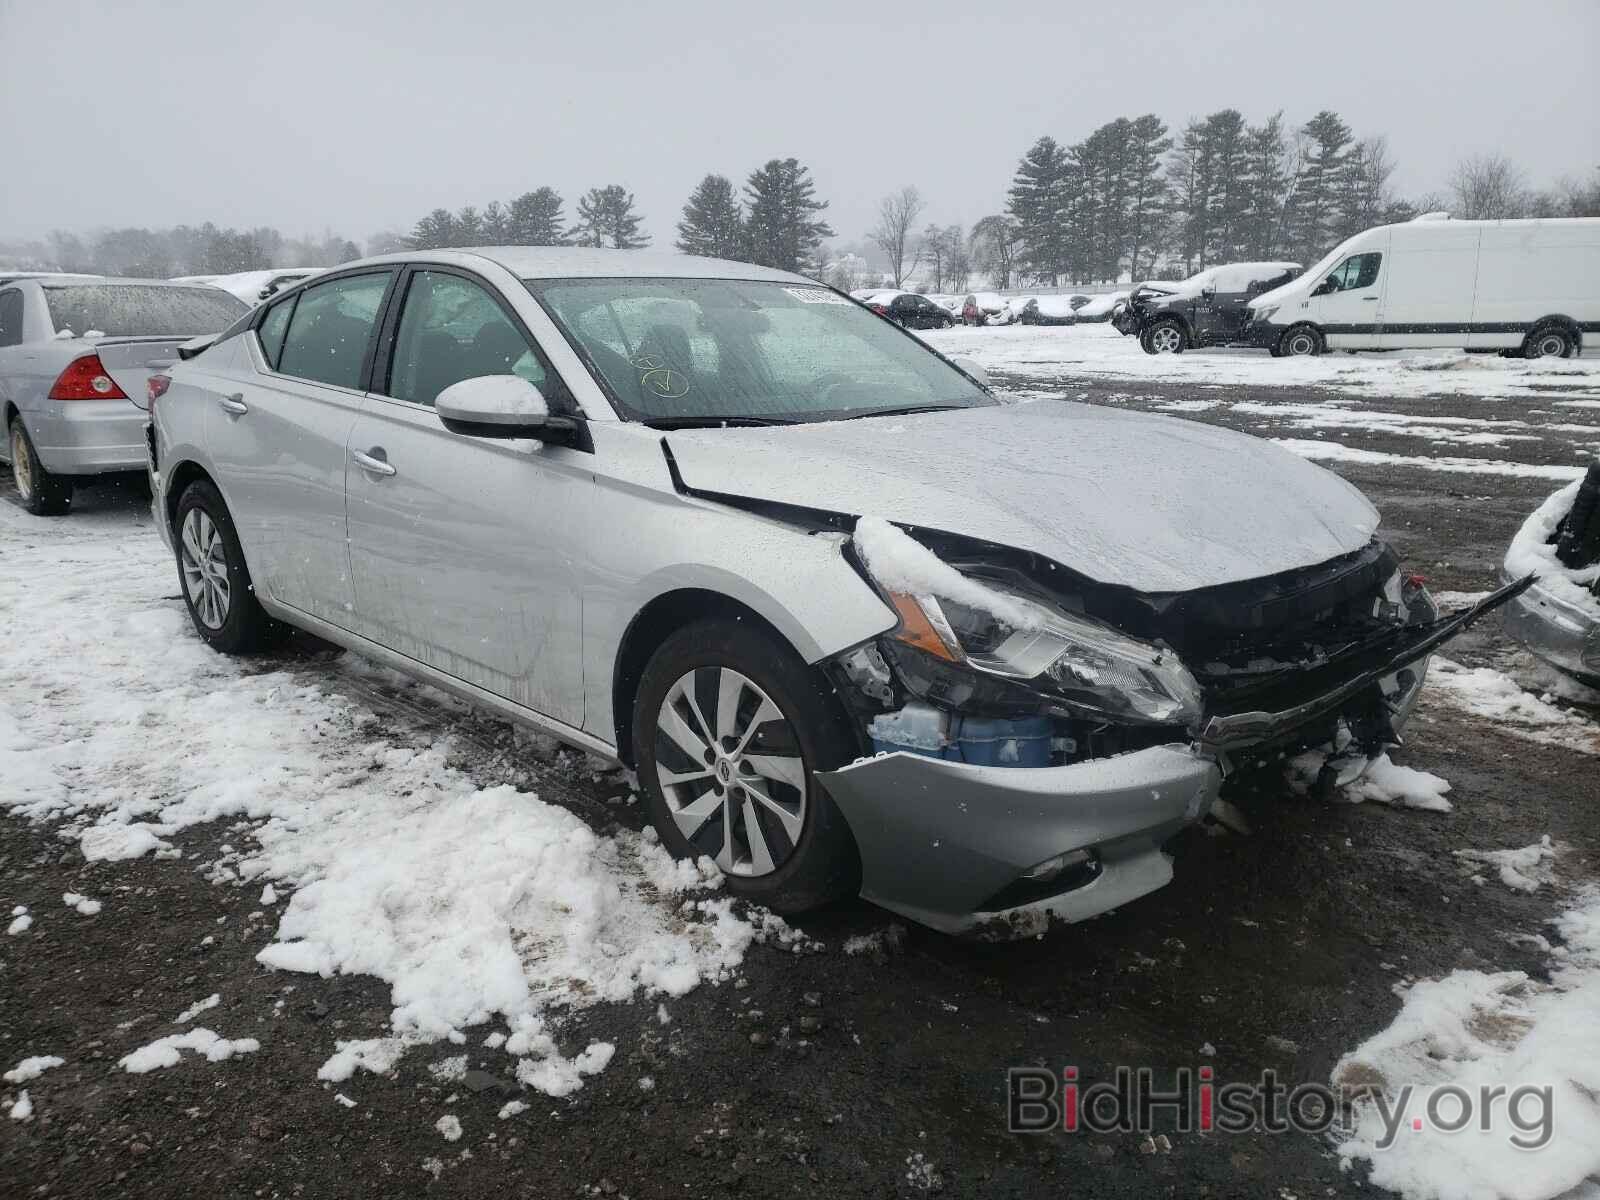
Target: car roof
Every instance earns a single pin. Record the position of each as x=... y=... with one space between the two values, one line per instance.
x=564 y=262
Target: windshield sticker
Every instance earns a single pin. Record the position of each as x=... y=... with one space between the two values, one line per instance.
x=815 y=296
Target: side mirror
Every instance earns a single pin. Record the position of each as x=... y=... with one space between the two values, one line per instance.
x=972 y=369
x=498 y=406
x=1208 y=293
x=1330 y=284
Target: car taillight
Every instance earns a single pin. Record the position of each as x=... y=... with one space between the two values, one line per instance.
x=85 y=379
x=879 y=309
x=156 y=387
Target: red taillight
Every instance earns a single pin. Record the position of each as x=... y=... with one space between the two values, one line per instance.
x=1416 y=581
x=86 y=379
x=879 y=309
x=156 y=387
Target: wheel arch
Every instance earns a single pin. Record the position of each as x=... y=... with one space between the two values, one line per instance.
x=178 y=480
x=1560 y=320
x=1316 y=330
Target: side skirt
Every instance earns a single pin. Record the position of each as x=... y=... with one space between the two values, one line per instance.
x=434 y=677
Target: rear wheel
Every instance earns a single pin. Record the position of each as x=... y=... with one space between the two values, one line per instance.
x=1299 y=341
x=211 y=568
x=1164 y=337
x=43 y=494
x=1549 y=341
x=729 y=726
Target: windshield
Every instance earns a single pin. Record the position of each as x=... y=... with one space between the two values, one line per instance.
x=684 y=350
x=141 y=310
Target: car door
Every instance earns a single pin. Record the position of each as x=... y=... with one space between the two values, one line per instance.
x=464 y=550
x=277 y=428
x=1347 y=304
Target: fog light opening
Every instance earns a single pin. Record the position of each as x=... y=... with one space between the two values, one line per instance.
x=1053 y=868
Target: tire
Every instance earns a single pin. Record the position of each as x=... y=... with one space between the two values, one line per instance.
x=806 y=857
x=213 y=576
x=1549 y=341
x=1299 y=341
x=43 y=494
x=1164 y=337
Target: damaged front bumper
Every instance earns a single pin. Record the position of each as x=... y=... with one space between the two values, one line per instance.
x=1556 y=630
x=1003 y=850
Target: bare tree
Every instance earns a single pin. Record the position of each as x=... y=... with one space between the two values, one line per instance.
x=997 y=248
x=1488 y=187
x=892 y=234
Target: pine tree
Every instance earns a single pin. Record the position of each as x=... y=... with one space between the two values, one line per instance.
x=469 y=227
x=1039 y=199
x=606 y=217
x=1313 y=206
x=1148 y=195
x=434 y=231
x=1267 y=183
x=535 y=219
x=496 y=223
x=712 y=224
x=782 y=223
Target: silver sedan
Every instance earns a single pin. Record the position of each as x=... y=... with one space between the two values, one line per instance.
x=858 y=624
x=75 y=354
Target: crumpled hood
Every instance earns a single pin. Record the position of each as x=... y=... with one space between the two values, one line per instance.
x=1152 y=503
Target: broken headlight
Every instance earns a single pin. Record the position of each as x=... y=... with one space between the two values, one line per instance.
x=1089 y=667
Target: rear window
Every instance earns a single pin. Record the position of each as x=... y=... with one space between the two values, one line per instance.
x=138 y=310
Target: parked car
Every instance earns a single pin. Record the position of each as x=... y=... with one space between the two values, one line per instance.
x=1526 y=288
x=1209 y=308
x=912 y=311
x=1100 y=308
x=1558 y=618
x=1051 y=310
x=984 y=308
x=857 y=623
x=74 y=354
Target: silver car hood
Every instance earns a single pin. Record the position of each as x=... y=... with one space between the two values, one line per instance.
x=1152 y=503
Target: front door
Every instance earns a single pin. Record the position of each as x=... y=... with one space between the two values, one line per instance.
x=1349 y=308
x=277 y=427
x=463 y=549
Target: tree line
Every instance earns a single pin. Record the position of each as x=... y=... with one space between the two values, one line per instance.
x=186 y=250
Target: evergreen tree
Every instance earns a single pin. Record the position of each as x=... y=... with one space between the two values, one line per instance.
x=712 y=224
x=1148 y=195
x=1314 y=204
x=469 y=227
x=1267 y=183
x=496 y=223
x=535 y=219
x=434 y=231
x=1038 y=201
x=606 y=217
x=782 y=222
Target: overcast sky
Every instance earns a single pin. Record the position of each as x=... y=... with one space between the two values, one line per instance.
x=360 y=116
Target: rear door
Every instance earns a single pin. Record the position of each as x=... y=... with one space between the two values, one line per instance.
x=465 y=550
x=280 y=439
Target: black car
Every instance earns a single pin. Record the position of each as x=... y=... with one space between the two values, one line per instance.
x=913 y=311
x=1208 y=309
x=1052 y=310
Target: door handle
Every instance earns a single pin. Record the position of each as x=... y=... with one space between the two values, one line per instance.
x=372 y=464
x=1374 y=299
x=233 y=404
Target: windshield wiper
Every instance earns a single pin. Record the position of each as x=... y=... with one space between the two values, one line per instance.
x=713 y=422
x=903 y=411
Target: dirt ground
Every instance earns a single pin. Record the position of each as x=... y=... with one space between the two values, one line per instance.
x=873 y=1074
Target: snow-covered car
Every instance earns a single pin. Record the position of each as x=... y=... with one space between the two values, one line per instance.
x=1050 y=310
x=1100 y=308
x=1558 y=618
x=75 y=351
x=254 y=286
x=856 y=622
x=984 y=308
x=1210 y=308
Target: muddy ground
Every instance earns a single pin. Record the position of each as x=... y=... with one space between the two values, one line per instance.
x=871 y=1074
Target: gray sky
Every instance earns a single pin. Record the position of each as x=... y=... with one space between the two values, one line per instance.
x=361 y=115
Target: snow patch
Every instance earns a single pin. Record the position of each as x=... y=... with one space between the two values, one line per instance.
x=22 y=1110
x=1380 y=780
x=449 y=1128
x=1495 y=696
x=83 y=905
x=1522 y=870
x=166 y=1052
x=21 y=922
x=198 y=1007
x=30 y=1069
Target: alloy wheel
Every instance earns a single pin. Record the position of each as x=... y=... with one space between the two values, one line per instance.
x=205 y=568
x=21 y=465
x=1166 y=339
x=731 y=771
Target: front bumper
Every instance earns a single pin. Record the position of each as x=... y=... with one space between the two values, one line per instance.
x=1262 y=334
x=940 y=839
x=1556 y=630
x=88 y=437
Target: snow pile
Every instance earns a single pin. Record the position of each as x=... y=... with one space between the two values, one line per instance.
x=902 y=564
x=30 y=1069
x=198 y=1007
x=81 y=904
x=21 y=922
x=1501 y=1031
x=449 y=1128
x=22 y=1110
x=165 y=1052
x=1485 y=692
x=1522 y=870
x=467 y=901
x=1378 y=779
x=1533 y=551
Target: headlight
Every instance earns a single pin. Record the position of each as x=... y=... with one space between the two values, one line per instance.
x=1265 y=314
x=1089 y=666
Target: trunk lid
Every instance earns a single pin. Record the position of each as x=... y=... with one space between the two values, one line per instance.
x=130 y=361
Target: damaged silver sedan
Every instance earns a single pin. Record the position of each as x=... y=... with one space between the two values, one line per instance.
x=858 y=623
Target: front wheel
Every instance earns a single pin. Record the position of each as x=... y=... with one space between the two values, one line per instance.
x=729 y=727
x=43 y=494
x=1298 y=342
x=211 y=567
x=1164 y=337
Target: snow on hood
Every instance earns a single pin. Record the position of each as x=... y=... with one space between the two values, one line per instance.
x=1152 y=503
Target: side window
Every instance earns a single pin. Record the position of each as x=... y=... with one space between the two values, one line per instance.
x=1357 y=271
x=330 y=329
x=11 y=318
x=452 y=329
x=272 y=329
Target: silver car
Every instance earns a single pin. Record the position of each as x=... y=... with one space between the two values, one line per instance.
x=75 y=354
x=857 y=623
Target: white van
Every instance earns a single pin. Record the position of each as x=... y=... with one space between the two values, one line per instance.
x=1526 y=287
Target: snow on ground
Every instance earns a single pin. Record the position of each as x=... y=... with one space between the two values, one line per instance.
x=167 y=1051
x=82 y=905
x=1477 y=1030
x=21 y=921
x=1523 y=870
x=198 y=1007
x=30 y=1069
x=1321 y=451
x=1049 y=352
x=1378 y=779
x=1495 y=696
x=469 y=902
